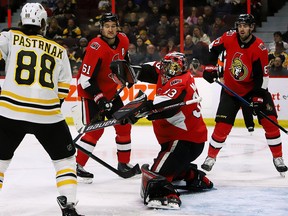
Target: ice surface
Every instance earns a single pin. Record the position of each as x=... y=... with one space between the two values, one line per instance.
x=246 y=182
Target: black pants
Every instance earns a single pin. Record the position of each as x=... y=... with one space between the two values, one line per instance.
x=55 y=138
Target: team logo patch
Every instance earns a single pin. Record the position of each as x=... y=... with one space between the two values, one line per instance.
x=238 y=69
x=262 y=46
x=95 y=45
x=175 y=82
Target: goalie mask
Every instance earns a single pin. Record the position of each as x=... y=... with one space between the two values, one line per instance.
x=173 y=64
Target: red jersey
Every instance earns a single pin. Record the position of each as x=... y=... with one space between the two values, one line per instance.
x=94 y=75
x=187 y=123
x=245 y=66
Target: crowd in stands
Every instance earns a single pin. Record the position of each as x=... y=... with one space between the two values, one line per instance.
x=151 y=25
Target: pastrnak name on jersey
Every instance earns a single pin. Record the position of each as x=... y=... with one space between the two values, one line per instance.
x=38 y=42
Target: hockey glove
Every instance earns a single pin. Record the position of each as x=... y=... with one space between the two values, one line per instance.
x=210 y=73
x=103 y=104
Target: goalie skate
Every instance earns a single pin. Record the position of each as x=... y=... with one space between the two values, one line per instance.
x=169 y=202
x=280 y=166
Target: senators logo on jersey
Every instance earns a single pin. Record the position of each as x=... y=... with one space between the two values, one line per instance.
x=238 y=69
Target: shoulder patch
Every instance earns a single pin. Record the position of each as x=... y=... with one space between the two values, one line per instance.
x=175 y=82
x=95 y=45
x=262 y=46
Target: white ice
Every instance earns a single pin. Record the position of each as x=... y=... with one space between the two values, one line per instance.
x=246 y=182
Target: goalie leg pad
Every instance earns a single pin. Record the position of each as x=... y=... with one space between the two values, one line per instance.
x=157 y=192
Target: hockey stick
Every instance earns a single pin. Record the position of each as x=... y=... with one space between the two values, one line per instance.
x=79 y=125
x=248 y=104
x=114 y=121
x=127 y=174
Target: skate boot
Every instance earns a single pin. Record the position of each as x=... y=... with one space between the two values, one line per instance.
x=83 y=176
x=124 y=167
x=280 y=166
x=171 y=201
x=250 y=129
x=68 y=209
x=208 y=163
x=198 y=181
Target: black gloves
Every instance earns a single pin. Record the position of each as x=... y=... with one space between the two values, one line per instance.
x=210 y=73
x=102 y=102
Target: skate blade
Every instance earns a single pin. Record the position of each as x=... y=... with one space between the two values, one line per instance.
x=283 y=174
x=84 y=180
x=156 y=204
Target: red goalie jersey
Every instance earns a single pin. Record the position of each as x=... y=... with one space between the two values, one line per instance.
x=184 y=123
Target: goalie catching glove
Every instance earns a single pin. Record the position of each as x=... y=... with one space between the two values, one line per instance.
x=122 y=73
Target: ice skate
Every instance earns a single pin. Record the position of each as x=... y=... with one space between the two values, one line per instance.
x=250 y=130
x=208 y=163
x=199 y=182
x=68 y=209
x=168 y=202
x=124 y=167
x=280 y=166
x=83 y=176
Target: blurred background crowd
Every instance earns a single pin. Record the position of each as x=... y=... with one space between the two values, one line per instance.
x=153 y=27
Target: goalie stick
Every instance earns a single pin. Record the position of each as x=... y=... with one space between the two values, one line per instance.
x=128 y=111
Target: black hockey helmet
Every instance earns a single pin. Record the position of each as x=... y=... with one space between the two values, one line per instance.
x=245 y=19
x=106 y=17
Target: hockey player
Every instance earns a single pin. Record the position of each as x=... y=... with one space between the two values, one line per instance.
x=97 y=88
x=181 y=133
x=245 y=72
x=38 y=77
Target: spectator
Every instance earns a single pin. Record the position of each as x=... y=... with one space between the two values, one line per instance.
x=151 y=54
x=141 y=47
x=144 y=36
x=72 y=30
x=132 y=19
x=80 y=49
x=195 y=68
x=278 y=39
x=204 y=26
x=279 y=52
x=163 y=22
x=192 y=18
x=135 y=58
x=200 y=37
x=175 y=29
x=54 y=29
x=188 y=30
x=218 y=28
x=154 y=17
x=222 y=8
x=141 y=25
x=128 y=31
x=189 y=48
x=208 y=15
x=104 y=5
x=161 y=35
x=47 y=8
x=131 y=7
x=276 y=68
x=60 y=8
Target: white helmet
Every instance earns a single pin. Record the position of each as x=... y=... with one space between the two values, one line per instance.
x=33 y=14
